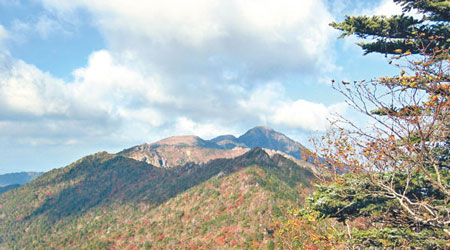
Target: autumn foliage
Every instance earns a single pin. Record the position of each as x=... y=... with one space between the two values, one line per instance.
x=387 y=179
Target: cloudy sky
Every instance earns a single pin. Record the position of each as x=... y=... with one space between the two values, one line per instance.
x=82 y=76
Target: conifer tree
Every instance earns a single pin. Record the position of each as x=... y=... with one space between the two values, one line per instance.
x=404 y=33
x=393 y=177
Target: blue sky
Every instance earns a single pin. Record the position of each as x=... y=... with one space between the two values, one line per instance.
x=79 y=76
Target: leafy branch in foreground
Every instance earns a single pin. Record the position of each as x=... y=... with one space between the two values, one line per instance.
x=393 y=176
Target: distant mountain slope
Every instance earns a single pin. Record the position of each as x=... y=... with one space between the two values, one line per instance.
x=18 y=178
x=8 y=187
x=178 y=150
x=228 y=142
x=268 y=138
x=107 y=201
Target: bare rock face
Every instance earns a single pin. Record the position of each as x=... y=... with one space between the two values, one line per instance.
x=179 y=150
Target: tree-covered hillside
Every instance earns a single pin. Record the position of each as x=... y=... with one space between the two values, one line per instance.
x=109 y=201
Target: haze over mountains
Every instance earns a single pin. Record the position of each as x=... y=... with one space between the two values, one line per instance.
x=178 y=193
x=13 y=180
x=18 y=178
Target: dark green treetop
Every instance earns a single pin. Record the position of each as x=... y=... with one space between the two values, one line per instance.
x=424 y=33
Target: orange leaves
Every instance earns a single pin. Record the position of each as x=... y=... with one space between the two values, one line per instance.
x=255 y=244
x=261 y=174
x=221 y=240
x=407 y=53
x=392 y=138
x=304 y=156
x=160 y=237
x=311 y=247
x=307 y=232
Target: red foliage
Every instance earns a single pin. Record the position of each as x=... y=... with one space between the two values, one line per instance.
x=311 y=247
x=256 y=244
x=132 y=247
x=221 y=240
x=360 y=223
x=161 y=237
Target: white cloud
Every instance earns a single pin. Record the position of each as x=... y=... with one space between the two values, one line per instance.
x=302 y=114
x=46 y=27
x=204 y=67
x=37 y=104
x=25 y=89
x=263 y=100
x=203 y=36
x=201 y=59
x=271 y=106
x=3 y=33
x=108 y=99
x=388 y=8
x=186 y=126
x=111 y=82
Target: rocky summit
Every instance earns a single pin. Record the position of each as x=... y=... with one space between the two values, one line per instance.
x=178 y=193
x=179 y=150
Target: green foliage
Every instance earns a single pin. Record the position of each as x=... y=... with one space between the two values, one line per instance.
x=107 y=201
x=356 y=197
x=397 y=195
x=401 y=34
x=436 y=10
x=8 y=187
x=303 y=228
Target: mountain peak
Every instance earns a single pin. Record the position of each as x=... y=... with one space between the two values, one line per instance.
x=178 y=150
x=189 y=140
x=263 y=128
x=266 y=137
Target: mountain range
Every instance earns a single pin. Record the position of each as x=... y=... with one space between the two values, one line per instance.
x=14 y=180
x=178 y=193
x=178 y=150
x=18 y=178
